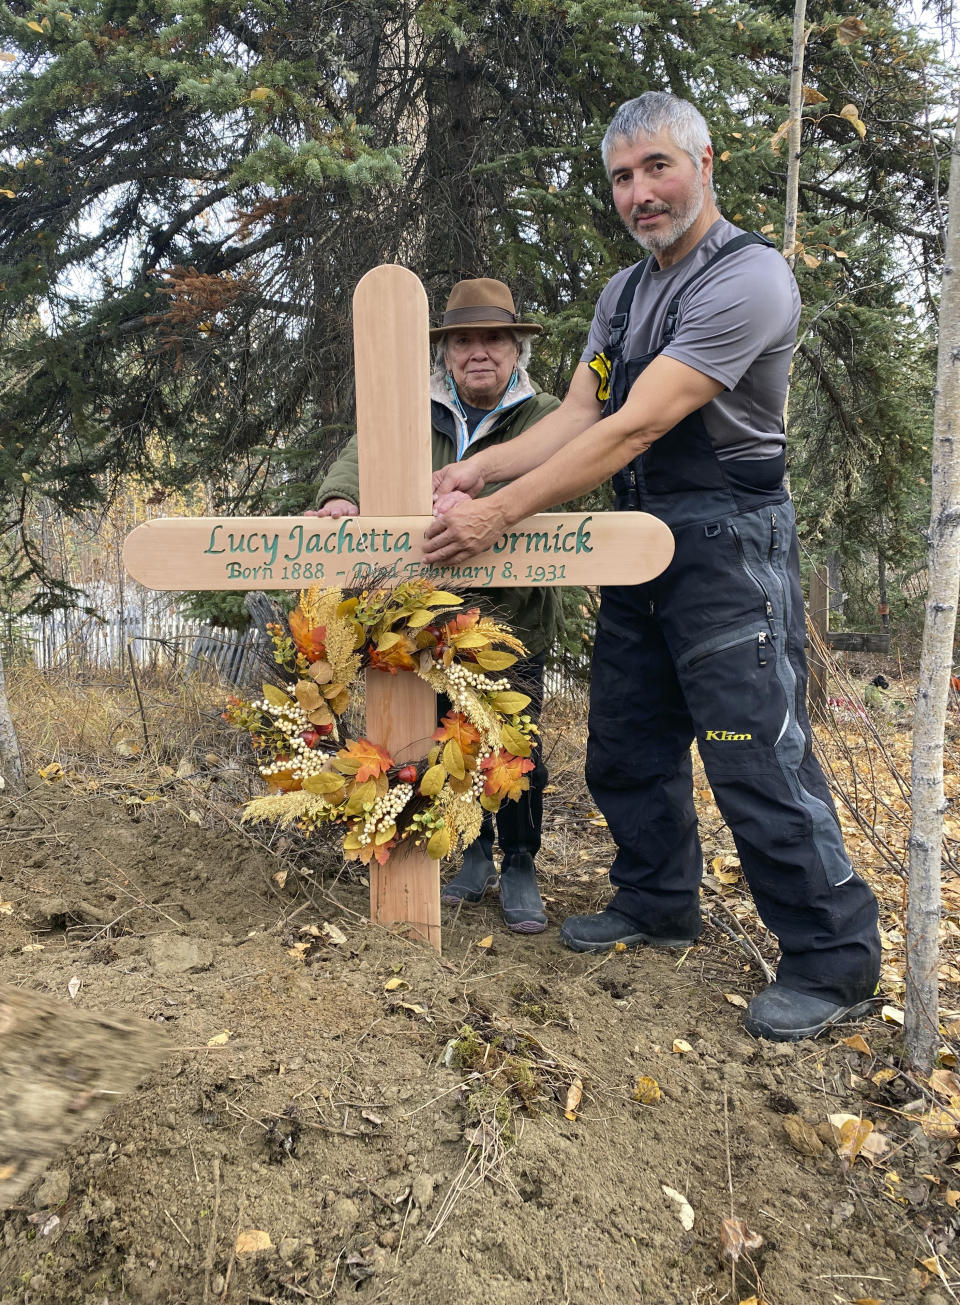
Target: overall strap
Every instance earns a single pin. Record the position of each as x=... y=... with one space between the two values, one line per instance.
x=618 y=322
x=731 y=247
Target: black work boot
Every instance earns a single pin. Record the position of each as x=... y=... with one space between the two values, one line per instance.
x=783 y=1015
x=476 y=876
x=520 y=898
x=595 y=933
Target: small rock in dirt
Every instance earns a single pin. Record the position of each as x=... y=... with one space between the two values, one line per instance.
x=344 y=1215
x=423 y=1186
x=841 y=1213
x=801 y=1135
x=54 y=1189
x=217 y=1284
x=288 y=1248
x=171 y=953
x=781 y=1103
x=389 y=1239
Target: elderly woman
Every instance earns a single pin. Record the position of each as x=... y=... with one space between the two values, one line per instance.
x=481 y=395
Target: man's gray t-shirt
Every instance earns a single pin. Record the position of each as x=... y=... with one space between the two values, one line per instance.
x=737 y=324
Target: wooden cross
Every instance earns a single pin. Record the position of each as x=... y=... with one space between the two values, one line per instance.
x=392 y=357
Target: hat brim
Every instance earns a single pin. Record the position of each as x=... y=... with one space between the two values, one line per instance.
x=520 y=328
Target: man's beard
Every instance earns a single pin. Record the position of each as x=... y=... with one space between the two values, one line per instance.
x=681 y=220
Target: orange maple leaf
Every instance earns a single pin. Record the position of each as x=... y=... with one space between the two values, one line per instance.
x=396 y=658
x=506 y=774
x=462 y=622
x=456 y=726
x=308 y=640
x=373 y=760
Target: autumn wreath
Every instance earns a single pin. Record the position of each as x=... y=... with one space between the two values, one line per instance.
x=480 y=753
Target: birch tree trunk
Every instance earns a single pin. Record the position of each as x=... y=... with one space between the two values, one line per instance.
x=11 y=762
x=923 y=909
x=791 y=203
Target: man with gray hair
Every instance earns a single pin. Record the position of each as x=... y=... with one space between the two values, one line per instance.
x=481 y=395
x=679 y=398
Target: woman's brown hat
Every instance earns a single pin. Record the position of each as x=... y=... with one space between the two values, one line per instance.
x=481 y=302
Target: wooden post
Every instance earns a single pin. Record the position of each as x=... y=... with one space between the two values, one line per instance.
x=819 y=612
x=392 y=358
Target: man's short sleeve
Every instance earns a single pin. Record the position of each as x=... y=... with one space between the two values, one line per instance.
x=743 y=307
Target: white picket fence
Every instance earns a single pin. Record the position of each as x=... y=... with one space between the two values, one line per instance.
x=151 y=637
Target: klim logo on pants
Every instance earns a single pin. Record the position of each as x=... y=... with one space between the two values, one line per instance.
x=726 y=736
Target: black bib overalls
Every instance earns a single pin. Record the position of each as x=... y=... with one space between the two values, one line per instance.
x=713 y=649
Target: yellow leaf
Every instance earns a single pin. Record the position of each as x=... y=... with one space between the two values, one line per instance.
x=891 y=1015
x=952 y=1197
x=439 y=844
x=419 y=618
x=51 y=772
x=724 y=156
x=811 y=260
x=812 y=96
x=681 y=1047
x=392 y=985
x=735 y=999
x=220 y=1039
x=35 y=27
x=433 y=781
x=508 y=702
x=470 y=639
x=487 y=942
x=766 y=228
x=453 y=759
x=276 y=697
x=515 y=742
x=326 y=782
x=260 y=93
x=10 y=194
x=617 y=946
x=945 y=1082
x=867 y=1300
x=931 y=1264
x=442 y=598
x=574 y=1097
x=493 y=660
x=647 y=1091
x=857 y=1043
x=251 y=1241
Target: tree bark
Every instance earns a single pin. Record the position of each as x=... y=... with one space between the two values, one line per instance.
x=923 y=908
x=11 y=761
x=793 y=137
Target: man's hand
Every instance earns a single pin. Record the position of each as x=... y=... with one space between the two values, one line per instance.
x=465 y=477
x=334 y=507
x=468 y=529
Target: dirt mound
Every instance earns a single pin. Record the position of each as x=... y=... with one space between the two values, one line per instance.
x=345 y=1115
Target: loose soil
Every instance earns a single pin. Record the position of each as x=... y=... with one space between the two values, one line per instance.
x=337 y=1113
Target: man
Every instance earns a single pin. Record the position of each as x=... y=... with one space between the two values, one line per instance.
x=679 y=396
x=481 y=397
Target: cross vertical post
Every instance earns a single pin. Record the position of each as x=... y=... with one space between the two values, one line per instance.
x=392 y=362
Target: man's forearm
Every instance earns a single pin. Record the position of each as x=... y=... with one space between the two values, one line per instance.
x=507 y=461
x=575 y=467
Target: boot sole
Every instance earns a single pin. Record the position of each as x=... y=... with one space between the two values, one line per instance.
x=760 y=1029
x=468 y=899
x=631 y=940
